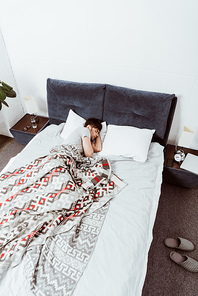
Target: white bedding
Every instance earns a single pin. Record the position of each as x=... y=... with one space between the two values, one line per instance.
x=118 y=264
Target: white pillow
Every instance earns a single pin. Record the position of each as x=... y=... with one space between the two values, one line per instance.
x=74 y=121
x=127 y=141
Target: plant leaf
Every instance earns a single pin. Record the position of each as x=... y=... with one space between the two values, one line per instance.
x=10 y=93
x=5 y=103
x=6 y=86
x=2 y=94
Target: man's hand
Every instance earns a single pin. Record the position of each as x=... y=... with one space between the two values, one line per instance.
x=97 y=144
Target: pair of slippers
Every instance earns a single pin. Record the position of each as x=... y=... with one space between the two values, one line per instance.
x=185 y=245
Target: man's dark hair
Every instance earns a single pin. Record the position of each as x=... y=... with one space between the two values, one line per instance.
x=94 y=122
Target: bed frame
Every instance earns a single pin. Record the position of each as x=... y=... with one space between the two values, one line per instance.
x=113 y=104
x=120 y=106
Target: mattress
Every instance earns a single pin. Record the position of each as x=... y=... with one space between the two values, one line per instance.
x=119 y=261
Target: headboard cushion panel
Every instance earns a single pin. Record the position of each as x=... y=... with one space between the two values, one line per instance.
x=86 y=99
x=113 y=104
x=124 y=106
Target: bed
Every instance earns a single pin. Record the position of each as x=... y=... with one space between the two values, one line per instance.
x=106 y=252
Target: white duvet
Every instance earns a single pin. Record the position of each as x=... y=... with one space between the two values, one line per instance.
x=118 y=264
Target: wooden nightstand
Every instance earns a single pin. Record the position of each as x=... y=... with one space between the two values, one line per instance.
x=22 y=135
x=173 y=174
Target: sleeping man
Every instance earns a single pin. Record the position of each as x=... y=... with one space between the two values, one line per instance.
x=87 y=138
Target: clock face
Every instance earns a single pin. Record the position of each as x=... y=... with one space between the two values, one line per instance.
x=177 y=157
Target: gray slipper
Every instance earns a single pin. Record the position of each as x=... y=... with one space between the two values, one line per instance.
x=184 y=261
x=179 y=243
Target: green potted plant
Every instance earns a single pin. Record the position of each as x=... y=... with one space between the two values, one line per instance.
x=5 y=91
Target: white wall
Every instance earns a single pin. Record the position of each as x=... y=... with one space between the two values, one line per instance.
x=8 y=115
x=141 y=44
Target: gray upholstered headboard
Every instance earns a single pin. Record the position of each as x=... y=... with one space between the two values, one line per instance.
x=113 y=104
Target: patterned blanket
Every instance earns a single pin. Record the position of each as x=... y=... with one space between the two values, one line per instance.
x=51 y=213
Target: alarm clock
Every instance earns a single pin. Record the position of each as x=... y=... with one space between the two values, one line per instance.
x=179 y=155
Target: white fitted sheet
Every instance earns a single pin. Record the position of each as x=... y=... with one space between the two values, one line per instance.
x=118 y=264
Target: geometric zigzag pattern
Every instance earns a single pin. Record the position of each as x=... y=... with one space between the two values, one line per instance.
x=52 y=211
x=64 y=257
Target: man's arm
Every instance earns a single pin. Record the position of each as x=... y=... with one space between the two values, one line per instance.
x=91 y=147
x=87 y=147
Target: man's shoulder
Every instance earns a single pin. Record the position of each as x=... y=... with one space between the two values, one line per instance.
x=82 y=131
